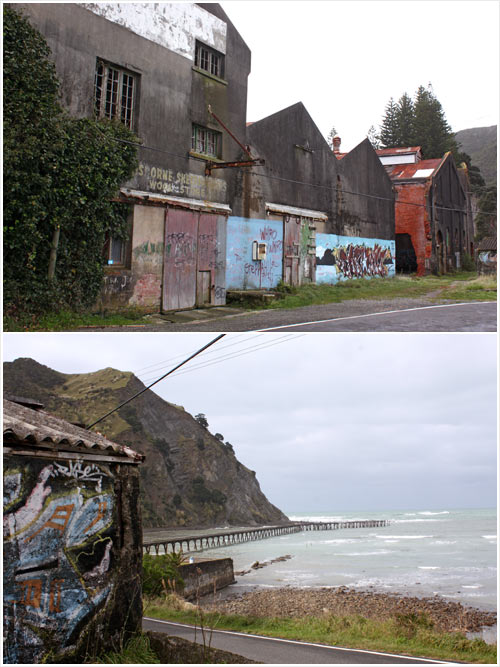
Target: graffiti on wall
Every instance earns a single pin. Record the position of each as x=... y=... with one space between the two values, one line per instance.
x=58 y=551
x=345 y=258
x=242 y=271
x=185 y=184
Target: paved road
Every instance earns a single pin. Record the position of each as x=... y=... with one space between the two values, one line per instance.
x=356 y=315
x=281 y=651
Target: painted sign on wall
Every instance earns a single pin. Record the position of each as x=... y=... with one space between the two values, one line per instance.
x=59 y=533
x=244 y=272
x=348 y=257
x=184 y=184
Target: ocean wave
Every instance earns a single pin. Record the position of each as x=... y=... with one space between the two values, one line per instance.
x=490 y=537
x=428 y=567
x=339 y=541
x=367 y=553
x=405 y=537
x=445 y=542
x=474 y=586
x=432 y=513
x=415 y=520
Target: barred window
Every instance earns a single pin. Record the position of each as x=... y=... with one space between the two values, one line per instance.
x=114 y=93
x=206 y=142
x=209 y=60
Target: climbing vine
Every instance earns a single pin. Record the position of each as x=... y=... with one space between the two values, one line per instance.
x=60 y=173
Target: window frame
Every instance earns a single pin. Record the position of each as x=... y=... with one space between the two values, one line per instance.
x=117 y=95
x=209 y=60
x=206 y=142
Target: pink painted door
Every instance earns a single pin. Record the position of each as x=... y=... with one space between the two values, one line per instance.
x=206 y=258
x=179 y=266
x=291 y=250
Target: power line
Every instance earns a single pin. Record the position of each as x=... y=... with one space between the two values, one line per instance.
x=156 y=381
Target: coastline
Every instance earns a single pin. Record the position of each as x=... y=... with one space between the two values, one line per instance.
x=446 y=616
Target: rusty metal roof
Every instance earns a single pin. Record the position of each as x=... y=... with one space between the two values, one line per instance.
x=36 y=429
x=398 y=151
x=488 y=243
x=407 y=171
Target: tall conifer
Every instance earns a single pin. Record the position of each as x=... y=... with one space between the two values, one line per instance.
x=388 y=129
x=405 y=114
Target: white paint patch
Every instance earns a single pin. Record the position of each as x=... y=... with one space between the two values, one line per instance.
x=175 y=26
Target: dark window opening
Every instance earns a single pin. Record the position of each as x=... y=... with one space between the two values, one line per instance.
x=114 y=251
x=115 y=93
x=406 y=259
x=209 y=60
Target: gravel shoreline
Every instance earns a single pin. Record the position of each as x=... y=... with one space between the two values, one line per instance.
x=446 y=616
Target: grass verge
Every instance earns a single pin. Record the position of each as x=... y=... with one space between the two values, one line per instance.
x=137 y=651
x=68 y=320
x=408 y=634
x=464 y=285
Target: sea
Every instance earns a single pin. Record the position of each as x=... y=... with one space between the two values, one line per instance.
x=449 y=552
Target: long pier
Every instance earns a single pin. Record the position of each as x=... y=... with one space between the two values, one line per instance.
x=189 y=543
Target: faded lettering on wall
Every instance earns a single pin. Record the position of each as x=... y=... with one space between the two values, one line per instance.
x=168 y=181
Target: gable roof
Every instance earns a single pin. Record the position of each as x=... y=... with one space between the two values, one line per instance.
x=25 y=427
x=398 y=151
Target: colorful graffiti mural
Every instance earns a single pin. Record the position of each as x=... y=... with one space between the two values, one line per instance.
x=59 y=533
x=345 y=258
x=243 y=272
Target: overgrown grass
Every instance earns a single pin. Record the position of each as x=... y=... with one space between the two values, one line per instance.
x=137 y=651
x=68 y=320
x=409 y=634
x=470 y=288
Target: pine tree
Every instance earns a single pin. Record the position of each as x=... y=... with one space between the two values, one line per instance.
x=486 y=219
x=373 y=137
x=405 y=115
x=388 y=129
x=432 y=131
x=331 y=134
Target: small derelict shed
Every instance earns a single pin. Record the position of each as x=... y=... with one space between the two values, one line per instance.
x=72 y=538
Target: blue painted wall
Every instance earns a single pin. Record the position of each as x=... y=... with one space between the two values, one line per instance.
x=241 y=271
x=347 y=257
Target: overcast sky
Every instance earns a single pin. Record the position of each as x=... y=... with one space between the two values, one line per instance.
x=328 y=422
x=345 y=59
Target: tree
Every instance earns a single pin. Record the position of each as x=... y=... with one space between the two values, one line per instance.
x=405 y=121
x=373 y=137
x=432 y=131
x=388 y=131
x=331 y=134
x=219 y=437
x=201 y=419
x=60 y=175
x=486 y=219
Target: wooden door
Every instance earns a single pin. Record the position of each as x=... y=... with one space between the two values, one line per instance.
x=291 y=250
x=180 y=255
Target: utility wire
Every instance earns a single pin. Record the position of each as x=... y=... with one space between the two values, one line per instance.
x=248 y=350
x=287 y=180
x=156 y=381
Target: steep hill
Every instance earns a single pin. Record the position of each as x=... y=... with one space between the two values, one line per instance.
x=481 y=144
x=189 y=477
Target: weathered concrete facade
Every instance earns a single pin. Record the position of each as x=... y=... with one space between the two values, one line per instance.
x=206 y=576
x=197 y=226
x=72 y=539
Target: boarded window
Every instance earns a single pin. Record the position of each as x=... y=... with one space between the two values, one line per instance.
x=115 y=93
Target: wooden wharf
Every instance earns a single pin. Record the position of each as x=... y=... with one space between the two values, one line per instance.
x=188 y=543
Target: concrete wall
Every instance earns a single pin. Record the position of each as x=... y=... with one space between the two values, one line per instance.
x=343 y=258
x=241 y=271
x=72 y=557
x=203 y=577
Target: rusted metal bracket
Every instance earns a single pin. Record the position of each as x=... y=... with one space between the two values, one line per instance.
x=251 y=162
x=226 y=165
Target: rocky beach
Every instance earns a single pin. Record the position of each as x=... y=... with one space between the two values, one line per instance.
x=445 y=616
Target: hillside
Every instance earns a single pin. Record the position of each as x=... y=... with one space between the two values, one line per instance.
x=189 y=477
x=481 y=144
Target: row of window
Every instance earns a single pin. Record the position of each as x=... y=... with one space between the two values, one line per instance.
x=115 y=97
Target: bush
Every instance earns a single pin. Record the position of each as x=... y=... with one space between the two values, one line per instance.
x=468 y=263
x=161 y=573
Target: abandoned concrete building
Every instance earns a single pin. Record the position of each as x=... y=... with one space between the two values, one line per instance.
x=176 y=73
x=72 y=538
x=433 y=213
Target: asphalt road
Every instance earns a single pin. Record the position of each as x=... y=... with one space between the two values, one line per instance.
x=281 y=651
x=398 y=314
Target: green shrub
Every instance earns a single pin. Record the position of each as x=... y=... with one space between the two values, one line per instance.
x=161 y=573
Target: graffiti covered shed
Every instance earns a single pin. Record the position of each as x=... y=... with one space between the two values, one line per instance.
x=72 y=538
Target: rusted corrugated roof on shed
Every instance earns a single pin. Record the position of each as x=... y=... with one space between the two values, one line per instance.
x=423 y=169
x=24 y=428
x=398 y=151
x=488 y=243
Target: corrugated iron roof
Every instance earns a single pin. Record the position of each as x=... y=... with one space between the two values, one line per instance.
x=407 y=171
x=38 y=429
x=398 y=151
x=488 y=243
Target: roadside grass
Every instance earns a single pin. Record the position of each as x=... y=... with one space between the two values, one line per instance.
x=470 y=288
x=408 y=634
x=137 y=651
x=67 y=320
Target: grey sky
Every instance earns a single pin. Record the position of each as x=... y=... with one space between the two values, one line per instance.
x=328 y=422
x=345 y=59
